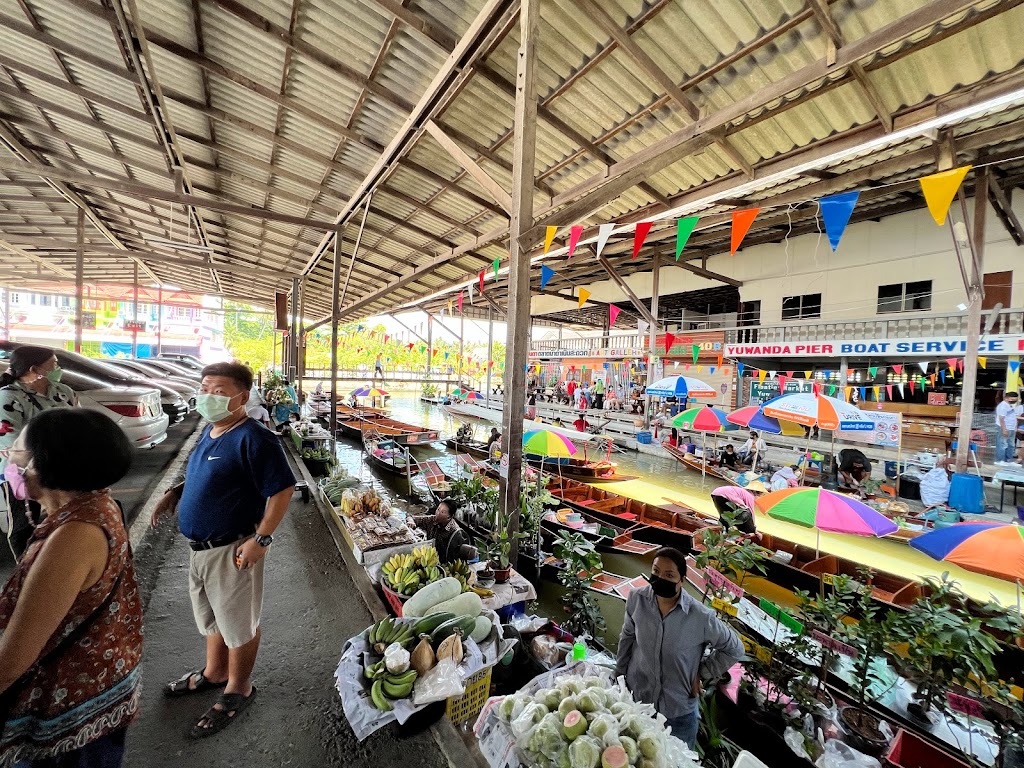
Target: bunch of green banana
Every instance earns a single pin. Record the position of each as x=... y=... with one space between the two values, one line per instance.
x=459 y=569
x=408 y=572
x=391 y=688
x=388 y=631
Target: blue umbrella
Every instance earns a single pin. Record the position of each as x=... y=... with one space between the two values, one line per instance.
x=681 y=386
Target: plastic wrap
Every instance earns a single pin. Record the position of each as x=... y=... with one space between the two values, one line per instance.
x=840 y=755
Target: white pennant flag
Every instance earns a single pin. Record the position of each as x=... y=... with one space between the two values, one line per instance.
x=470 y=293
x=642 y=326
x=603 y=233
x=924 y=367
x=771 y=374
x=900 y=385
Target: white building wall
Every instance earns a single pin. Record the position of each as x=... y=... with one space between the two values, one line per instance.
x=898 y=249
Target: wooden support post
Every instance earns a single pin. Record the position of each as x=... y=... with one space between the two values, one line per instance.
x=975 y=298
x=160 y=320
x=430 y=344
x=292 y=367
x=79 y=279
x=490 y=353
x=523 y=170
x=135 y=309
x=335 y=306
x=655 y=274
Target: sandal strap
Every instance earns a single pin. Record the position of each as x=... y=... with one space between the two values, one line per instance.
x=182 y=683
x=231 y=702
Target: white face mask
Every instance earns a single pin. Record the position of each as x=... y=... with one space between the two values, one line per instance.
x=213 y=407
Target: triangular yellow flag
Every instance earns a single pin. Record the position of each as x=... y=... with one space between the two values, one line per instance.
x=847 y=392
x=808 y=374
x=584 y=295
x=939 y=190
x=700 y=369
x=761 y=375
x=878 y=391
x=982 y=361
x=549 y=233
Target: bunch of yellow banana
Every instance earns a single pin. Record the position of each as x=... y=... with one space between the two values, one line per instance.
x=408 y=572
x=391 y=687
x=483 y=592
x=459 y=569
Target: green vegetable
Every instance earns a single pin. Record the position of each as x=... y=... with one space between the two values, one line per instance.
x=575 y=724
x=584 y=752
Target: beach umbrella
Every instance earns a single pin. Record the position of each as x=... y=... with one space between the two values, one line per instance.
x=752 y=418
x=472 y=396
x=544 y=442
x=811 y=410
x=681 y=386
x=994 y=549
x=825 y=511
x=368 y=392
x=703 y=419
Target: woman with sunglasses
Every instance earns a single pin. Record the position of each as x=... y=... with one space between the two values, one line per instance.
x=71 y=613
x=30 y=386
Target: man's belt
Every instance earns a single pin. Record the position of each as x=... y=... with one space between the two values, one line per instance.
x=199 y=546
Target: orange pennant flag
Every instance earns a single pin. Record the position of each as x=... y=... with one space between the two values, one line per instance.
x=719 y=359
x=584 y=295
x=741 y=221
x=940 y=189
x=847 y=392
x=549 y=236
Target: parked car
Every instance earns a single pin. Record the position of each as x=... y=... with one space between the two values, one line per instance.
x=171 y=401
x=184 y=387
x=190 y=361
x=174 y=369
x=135 y=409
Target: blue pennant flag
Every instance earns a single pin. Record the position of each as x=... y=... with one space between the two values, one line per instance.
x=942 y=374
x=546 y=273
x=1014 y=365
x=739 y=370
x=835 y=212
x=863 y=393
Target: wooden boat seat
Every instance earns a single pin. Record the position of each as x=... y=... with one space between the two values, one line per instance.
x=824 y=564
x=908 y=595
x=881 y=594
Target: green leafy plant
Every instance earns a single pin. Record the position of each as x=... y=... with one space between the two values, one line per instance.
x=945 y=644
x=731 y=554
x=581 y=566
x=716 y=750
x=429 y=390
x=870 y=638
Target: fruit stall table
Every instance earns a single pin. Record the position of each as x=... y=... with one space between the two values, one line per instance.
x=517 y=590
x=315 y=439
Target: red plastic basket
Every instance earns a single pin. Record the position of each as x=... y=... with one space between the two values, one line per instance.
x=395 y=600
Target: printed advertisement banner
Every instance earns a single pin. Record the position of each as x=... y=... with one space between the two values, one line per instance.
x=928 y=347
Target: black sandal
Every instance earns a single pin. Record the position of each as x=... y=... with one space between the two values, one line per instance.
x=233 y=704
x=181 y=687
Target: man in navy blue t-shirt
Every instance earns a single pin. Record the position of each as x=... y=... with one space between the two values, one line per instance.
x=237 y=488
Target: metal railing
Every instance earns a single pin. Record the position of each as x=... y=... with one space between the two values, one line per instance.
x=909 y=325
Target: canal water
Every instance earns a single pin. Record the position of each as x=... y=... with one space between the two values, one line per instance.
x=407 y=407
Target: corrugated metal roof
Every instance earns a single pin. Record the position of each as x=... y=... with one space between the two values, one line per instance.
x=287 y=104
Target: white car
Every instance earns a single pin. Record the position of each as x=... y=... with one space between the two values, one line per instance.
x=136 y=410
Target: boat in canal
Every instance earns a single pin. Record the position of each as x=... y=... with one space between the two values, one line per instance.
x=702 y=466
x=579 y=469
x=388 y=456
x=403 y=434
x=617 y=539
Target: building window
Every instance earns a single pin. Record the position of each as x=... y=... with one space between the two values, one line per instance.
x=800 y=307
x=45 y=301
x=65 y=302
x=15 y=298
x=905 y=297
x=749 y=314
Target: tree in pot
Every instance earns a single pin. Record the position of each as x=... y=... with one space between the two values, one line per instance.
x=498 y=547
x=945 y=645
x=581 y=565
x=732 y=554
x=871 y=676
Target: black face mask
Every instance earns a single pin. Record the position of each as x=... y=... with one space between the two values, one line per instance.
x=662 y=587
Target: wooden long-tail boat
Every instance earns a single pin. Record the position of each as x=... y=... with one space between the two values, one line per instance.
x=578 y=469
x=346 y=411
x=474 y=448
x=401 y=433
x=385 y=454
x=617 y=539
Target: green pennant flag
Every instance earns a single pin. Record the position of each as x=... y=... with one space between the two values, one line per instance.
x=872 y=371
x=684 y=228
x=832 y=390
x=696 y=352
x=495 y=264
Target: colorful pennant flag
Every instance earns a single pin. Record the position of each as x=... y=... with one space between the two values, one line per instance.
x=642 y=228
x=982 y=361
x=960 y=365
x=939 y=190
x=808 y=374
x=495 y=264
x=888 y=391
x=613 y=313
x=711 y=370
x=460 y=302
x=470 y=286
x=584 y=295
x=669 y=341
x=481 y=282
x=684 y=228
x=642 y=326
x=951 y=362
x=897 y=369
x=942 y=375
x=696 y=352
x=872 y=372
x=546 y=273
x=741 y=221
x=603 y=233
x=863 y=393
x=761 y=375
x=878 y=391
x=549 y=236
x=700 y=369
x=846 y=393
x=1013 y=365
x=575 y=232
x=739 y=370
x=911 y=383
x=924 y=367
x=782 y=382
x=835 y=213
x=832 y=389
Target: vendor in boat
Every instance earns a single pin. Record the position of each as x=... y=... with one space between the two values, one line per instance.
x=464 y=434
x=753 y=450
x=729 y=458
x=449 y=538
x=787 y=477
x=494 y=437
x=662 y=646
x=735 y=507
x=673 y=438
x=854 y=468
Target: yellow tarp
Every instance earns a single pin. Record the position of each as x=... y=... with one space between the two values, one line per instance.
x=894 y=557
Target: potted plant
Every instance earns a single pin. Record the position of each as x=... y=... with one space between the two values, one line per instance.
x=945 y=644
x=871 y=676
x=581 y=566
x=732 y=554
x=498 y=548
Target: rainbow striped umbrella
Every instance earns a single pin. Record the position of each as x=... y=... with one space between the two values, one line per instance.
x=994 y=549
x=368 y=392
x=752 y=418
x=703 y=419
x=544 y=442
x=825 y=511
x=811 y=410
x=471 y=395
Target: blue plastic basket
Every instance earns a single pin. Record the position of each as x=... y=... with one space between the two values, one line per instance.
x=644 y=438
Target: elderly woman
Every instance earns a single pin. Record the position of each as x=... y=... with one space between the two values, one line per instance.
x=30 y=386
x=71 y=615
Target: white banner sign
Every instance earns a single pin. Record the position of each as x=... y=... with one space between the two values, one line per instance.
x=879 y=428
x=934 y=348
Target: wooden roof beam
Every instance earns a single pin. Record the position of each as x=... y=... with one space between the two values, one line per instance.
x=480 y=176
x=1004 y=210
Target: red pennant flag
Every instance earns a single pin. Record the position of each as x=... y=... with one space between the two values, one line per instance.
x=490 y=363
x=386 y=337
x=613 y=313
x=897 y=369
x=911 y=383
x=460 y=302
x=642 y=228
x=358 y=350
x=782 y=382
x=789 y=374
x=951 y=362
x=960 y=365
x=669 y=341
x=574 y=238
x=409 y=346
x=741 y=221
x=888 y=391
x=481 y=281
x=816 y=388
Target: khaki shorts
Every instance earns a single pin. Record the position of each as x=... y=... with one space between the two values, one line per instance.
x=225 y=600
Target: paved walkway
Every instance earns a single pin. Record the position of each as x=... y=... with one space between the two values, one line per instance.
x=311 y=607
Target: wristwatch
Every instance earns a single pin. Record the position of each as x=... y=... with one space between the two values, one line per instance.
x=264 y=541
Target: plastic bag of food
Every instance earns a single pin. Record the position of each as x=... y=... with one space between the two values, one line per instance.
x=531 y=715
x=840 y=755
x=543 y=738
x=438 y=684
x=396 y=659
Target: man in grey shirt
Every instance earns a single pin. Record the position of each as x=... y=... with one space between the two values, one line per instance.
x=663 y=642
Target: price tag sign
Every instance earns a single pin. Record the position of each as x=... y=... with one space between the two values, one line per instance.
x=720 y=605
x=964 y=705
x=834 y=645
x=720 y=581
x=828 y=578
